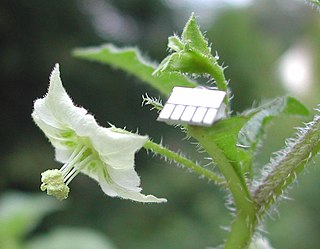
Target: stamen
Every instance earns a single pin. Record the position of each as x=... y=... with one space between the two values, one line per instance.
x=75 y=156
x=76 y=170
x=55 y=182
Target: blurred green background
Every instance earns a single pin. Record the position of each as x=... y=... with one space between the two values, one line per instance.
x=271 y=48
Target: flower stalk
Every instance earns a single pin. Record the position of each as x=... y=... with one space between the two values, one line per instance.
x=169 y=154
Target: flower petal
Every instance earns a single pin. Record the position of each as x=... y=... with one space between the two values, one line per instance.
x=54 y=134
x=59 y=103
x=98 y=173
x=62 y=155
x=117 y=149
x=136 y=196
x=126 y=178
x=56 y=114
x=107 y=185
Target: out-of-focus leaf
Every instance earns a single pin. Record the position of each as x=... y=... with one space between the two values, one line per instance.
x=131 y=61
x=20 y=213
x=253 y=131
x=71 y=238
x=315 y=2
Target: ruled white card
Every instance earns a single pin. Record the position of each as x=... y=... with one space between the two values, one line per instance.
x=195 y=106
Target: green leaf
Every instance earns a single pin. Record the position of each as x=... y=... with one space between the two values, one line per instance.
x=131 y=61
x=238 y=136
x=20 y=213
x=192 y=55
x=175 y=43
x=70 y=238
x=190 y=61
x=224 y=134
x=193 y=37
x=295 y=107
x=253 y=131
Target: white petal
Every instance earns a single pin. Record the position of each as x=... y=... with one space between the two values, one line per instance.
x=126 y=178
x=135 y=196
x=62 y=155
x=56 y=113
x=117 y=149
x=59 y=103
x=99 y=174
x=52 y=133
x=108 y=186
x=86 y=126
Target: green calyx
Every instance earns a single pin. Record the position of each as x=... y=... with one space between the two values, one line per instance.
x=191 y=55
x=53 y=183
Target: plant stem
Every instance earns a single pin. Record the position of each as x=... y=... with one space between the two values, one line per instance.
x=169 y=154
x=216 y=72
x=290 y=162
x=245 y=221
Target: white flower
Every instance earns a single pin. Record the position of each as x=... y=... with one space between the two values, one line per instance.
x=104 y=154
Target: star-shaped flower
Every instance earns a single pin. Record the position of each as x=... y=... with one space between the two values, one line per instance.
x=104 y=154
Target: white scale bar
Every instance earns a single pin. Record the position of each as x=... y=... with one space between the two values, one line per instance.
x=166 y=112
x=177 y=112
x=188 y=113
x=196 y=97
x=195 y=106
x=210 y=116
x=199 y=115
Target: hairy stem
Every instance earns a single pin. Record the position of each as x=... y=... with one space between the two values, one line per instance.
x=169 y=154
x=244 y=224
x=289 y=162
x=216 y=72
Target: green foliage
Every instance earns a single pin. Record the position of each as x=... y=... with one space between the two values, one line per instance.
x=315 y=2
x=70 y=238
x=224 y=135
x=193 y=37
x=192 y=55
x=253 y=130
x=290 y=161
x=237 y=137
x=131 y=61
x=20 y=214
x=231 y=143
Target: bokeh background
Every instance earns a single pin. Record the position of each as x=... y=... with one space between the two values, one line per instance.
x=271 y=48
